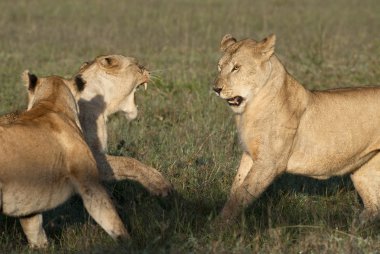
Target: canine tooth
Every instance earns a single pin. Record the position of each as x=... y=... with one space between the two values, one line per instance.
x=145 y=86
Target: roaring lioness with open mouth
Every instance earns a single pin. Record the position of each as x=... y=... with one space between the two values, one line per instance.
x=285 y=128
x=44 y=159
x=111 y=83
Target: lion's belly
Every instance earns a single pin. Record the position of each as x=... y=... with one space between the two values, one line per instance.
x=32 y=186
x=323 y=166
x=331 y=145
x=21 y=198
x=33 y=178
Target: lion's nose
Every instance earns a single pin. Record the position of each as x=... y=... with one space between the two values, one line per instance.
x=217 y=90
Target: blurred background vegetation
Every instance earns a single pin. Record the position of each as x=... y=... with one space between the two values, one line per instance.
x=183 y=129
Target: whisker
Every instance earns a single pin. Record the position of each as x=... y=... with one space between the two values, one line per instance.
x=156 y=78
x=160 y=70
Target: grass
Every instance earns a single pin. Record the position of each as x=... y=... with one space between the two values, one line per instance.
x=183 y=129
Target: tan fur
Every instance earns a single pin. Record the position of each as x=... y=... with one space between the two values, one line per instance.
x=111 y=82
x=9 y=118
x=284 y=127
x=45 y=159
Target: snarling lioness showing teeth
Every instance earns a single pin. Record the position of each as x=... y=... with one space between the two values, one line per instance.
x=285 y=128
x=111 y=83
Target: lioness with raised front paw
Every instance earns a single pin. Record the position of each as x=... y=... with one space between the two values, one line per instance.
x=111 y=83
x=44 y=160
x=285 y=128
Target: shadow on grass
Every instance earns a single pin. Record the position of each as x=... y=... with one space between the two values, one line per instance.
x=291 y=199
x=299 y=200
x=186 y=216
x=310 y=186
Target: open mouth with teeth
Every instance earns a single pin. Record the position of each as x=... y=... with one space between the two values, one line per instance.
x=144 y=84
x=235 y=101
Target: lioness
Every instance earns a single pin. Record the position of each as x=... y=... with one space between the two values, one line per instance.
x=284 y=127
x=111 y=83
x=44 y=160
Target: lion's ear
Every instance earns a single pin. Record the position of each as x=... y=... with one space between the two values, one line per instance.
x=267 y=46
x=227 y=41
x=79 y=82
x=109 y=62
x=84 y=65
x=30 y=80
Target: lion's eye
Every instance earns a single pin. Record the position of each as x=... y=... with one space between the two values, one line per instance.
x=235 y=68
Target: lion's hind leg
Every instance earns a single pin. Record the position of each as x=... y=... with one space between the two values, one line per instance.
x=32 y=226
x=101 y=209
x=367 y=183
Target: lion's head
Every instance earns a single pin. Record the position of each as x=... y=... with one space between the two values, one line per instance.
x=244 y=69
x=54 y=92
x=41 y=88
x=116 y=78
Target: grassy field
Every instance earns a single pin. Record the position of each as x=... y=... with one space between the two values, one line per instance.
x=186 y=131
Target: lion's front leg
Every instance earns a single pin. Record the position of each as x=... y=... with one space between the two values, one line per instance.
x=94 y=125
x=100 y=207
x=257 y=180
x=122 y=168
x=244 y=167
x=33 y=230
